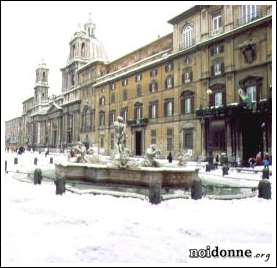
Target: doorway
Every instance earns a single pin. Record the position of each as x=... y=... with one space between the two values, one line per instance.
x=138 y=142
x=252 y=138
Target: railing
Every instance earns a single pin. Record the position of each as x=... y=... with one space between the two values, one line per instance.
x=250 y=17
x=137 y=122
x=216 y=32
x=187 y=46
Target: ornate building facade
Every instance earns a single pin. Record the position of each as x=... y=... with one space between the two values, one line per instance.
x=181 y=91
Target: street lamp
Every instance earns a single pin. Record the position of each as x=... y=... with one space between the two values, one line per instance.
x=209 y=92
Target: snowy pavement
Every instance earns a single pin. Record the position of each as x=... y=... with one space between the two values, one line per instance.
x=41 y=228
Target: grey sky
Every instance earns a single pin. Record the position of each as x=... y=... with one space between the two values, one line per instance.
x=34 y=30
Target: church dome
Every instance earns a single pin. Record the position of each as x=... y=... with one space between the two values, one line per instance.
x=84 y=44
x=97 y=50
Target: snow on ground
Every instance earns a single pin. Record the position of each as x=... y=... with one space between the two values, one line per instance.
x=41 y=228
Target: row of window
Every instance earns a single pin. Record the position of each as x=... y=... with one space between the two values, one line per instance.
x=187 y=139
x=217 y=98
x=138 y=77
x=187 y=76
x=248 y=13
x=186 y=108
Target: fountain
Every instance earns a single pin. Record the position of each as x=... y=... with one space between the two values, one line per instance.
x=86 y=164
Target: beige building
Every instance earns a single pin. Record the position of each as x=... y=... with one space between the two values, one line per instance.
x=180 y=91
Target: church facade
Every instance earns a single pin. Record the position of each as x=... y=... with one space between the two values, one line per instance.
x=205 y=87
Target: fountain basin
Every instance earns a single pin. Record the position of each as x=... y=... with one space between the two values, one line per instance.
x=138 y=176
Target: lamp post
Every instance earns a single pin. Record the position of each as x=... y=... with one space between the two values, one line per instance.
x=209 y=92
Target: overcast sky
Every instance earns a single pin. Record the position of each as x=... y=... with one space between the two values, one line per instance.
x=34 y=30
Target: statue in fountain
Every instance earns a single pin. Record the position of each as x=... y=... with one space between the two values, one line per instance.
x=82 y=154
x=121 y=152
x=77 y=154
x=183 y=157
x=150 y=155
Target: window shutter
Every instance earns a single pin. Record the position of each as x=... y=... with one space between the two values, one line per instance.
x=172 y=81
x=136 y=77
x=224 y=97
x=150 y=111
x=150 y=87
x=221 y=49
x=222 y=67
x=212 y=51
x=165 y=83
x=126 y=81
x=165 y=112
x=183 y=78
x=192 y=103
x=212 y=70
x=190 y=76
x=182 y=105
x=166 y=68
x=172 y=107
x=220 y=21
x=211 y=99
x=122 y=82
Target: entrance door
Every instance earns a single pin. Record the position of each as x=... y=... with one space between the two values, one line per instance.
x=252 y=138
x=138 y=142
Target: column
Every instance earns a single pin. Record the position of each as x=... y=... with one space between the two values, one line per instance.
x=228 y=137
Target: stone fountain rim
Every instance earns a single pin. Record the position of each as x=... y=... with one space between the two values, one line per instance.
x=154 y=169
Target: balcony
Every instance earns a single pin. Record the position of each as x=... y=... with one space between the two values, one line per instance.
x=235 y=110
x=248 y=18
x=189 y=45
x=137 y=122
x=216 y=32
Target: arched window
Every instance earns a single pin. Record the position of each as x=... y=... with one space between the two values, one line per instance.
x=187 y=36
x=83 y=50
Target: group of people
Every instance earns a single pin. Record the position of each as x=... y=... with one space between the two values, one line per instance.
x=259 y=160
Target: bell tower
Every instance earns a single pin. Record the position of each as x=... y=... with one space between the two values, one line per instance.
x=41 y=85
x=90 y=27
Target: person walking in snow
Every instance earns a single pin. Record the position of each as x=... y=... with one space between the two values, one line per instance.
x=169 y=157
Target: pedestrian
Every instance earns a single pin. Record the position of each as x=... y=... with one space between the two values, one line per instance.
x=251 y=162
x=169 y=157
x=266 y=161
x=47 y=152
x=259 y=159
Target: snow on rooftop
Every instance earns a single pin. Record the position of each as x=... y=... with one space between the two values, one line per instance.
x=132 y=68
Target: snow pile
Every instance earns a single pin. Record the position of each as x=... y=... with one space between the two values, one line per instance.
x=41 y=228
